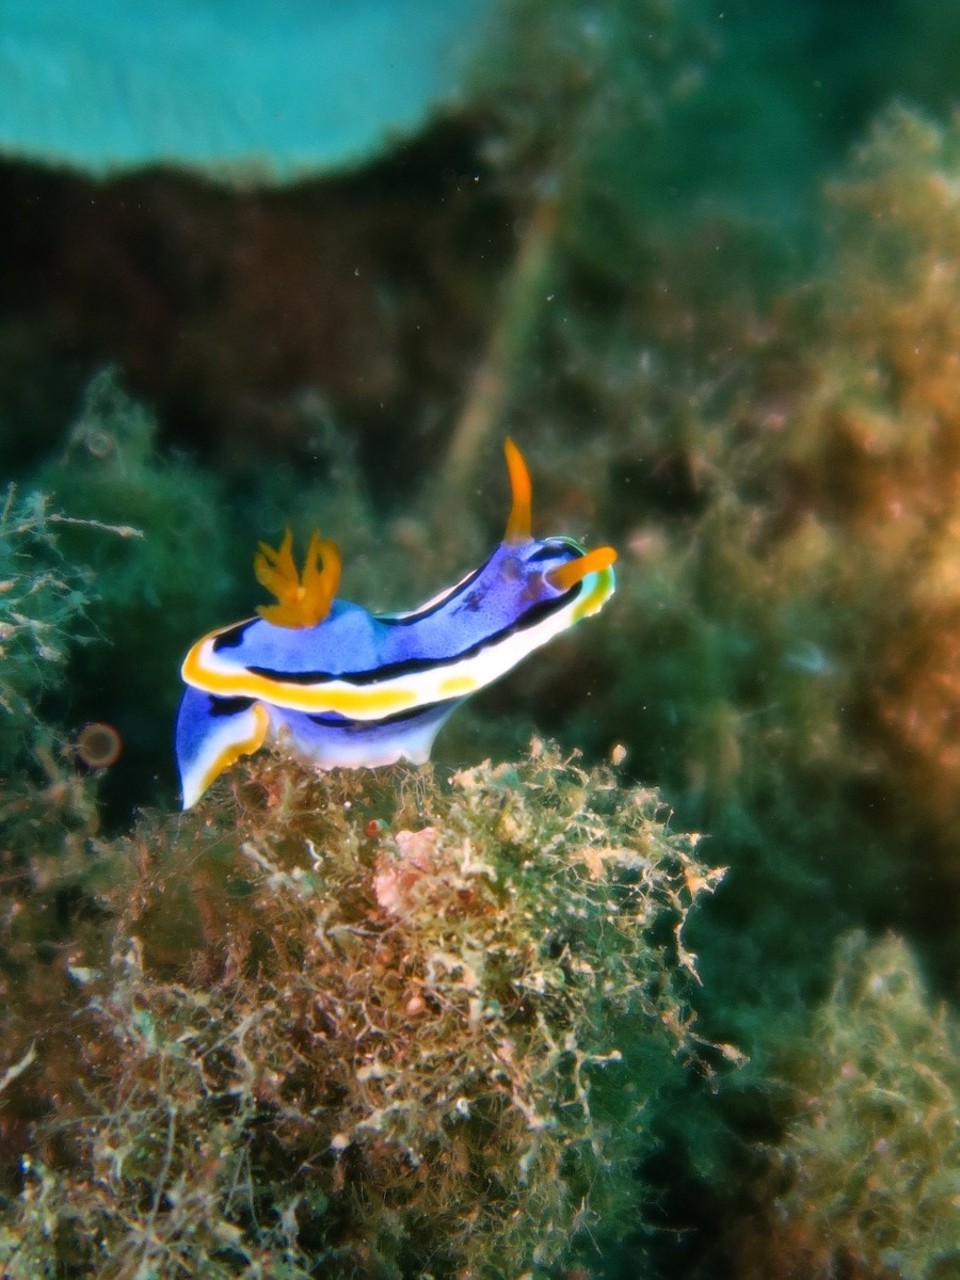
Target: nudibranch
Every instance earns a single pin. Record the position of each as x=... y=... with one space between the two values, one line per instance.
x=353 y=689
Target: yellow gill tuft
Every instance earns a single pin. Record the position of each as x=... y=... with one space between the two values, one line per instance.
x=304 y=599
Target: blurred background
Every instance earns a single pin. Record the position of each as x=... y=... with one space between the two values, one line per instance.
x=306 y=263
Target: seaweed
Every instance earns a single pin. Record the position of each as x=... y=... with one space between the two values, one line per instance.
x=155 y=586
x=868 y=1170
x=49 y=815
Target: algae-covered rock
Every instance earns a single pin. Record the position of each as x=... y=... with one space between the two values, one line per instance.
x=373 y=1024
x=872 y=1163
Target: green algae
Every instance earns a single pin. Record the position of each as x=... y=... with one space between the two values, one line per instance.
x=155 y=585
x=872 y=1160
x=48 y=803
x=44 y=611
x=47 y=603
x=152 y=587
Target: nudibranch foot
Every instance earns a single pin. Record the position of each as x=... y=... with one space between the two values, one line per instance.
x=349 y=688
x=334 y=742
x=213 y=733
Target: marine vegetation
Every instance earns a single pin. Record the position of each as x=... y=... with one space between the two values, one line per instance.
x=370 y=1024
x=48 y=812
x=870 y=1166
x=146 y=581
x=46 y=616
x=43 y=612
x=878 y=443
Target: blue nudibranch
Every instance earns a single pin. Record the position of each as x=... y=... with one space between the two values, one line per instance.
x=354 y=689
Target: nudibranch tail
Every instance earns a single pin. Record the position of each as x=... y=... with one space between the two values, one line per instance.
x=568 y=575
x=304 y=599
x=212 y=734
x=520 y=523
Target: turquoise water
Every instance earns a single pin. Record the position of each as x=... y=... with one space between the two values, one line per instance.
x=270 y=91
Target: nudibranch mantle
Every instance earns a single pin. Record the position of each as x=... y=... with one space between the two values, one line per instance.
x=353 y=689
